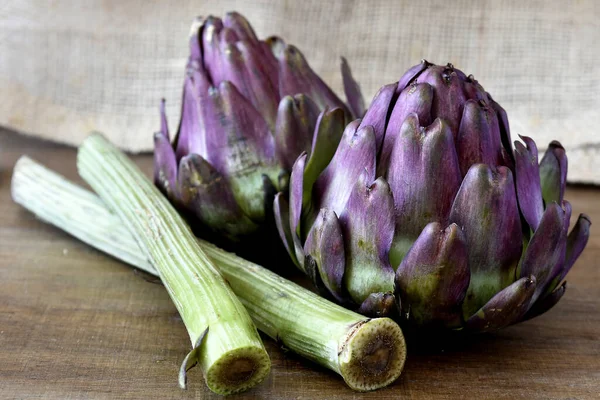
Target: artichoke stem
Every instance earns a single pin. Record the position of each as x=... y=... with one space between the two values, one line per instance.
x=219 y=327
x=367 y=353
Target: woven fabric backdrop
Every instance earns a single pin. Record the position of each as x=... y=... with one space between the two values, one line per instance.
x=68 y=67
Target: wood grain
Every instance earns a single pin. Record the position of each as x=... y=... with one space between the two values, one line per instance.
x=75 y=323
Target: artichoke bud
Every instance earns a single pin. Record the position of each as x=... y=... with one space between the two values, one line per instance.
x=442 y=149
x=246 y=116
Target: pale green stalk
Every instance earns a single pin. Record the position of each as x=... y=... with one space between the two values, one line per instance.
x=225 y=341
x=368 y=353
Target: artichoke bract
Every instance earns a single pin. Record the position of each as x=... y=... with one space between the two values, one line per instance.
x=249 y=108
x=425 y=210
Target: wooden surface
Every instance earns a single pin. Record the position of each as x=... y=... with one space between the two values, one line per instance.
x=75 y=324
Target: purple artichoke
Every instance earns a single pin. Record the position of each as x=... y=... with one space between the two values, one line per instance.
x=249 y=108
x=425 y=209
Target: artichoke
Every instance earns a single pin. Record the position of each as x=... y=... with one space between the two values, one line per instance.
x=249 y=108
x=425 y=211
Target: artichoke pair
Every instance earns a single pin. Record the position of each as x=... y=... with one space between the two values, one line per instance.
x=249 y=108
x=424 y=210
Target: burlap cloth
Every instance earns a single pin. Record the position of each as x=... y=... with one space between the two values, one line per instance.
x=68 y=67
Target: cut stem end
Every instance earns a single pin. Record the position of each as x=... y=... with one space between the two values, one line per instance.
x=373 y=354
x=238 y=370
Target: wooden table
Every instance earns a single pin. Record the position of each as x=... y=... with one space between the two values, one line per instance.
x=75 y=323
